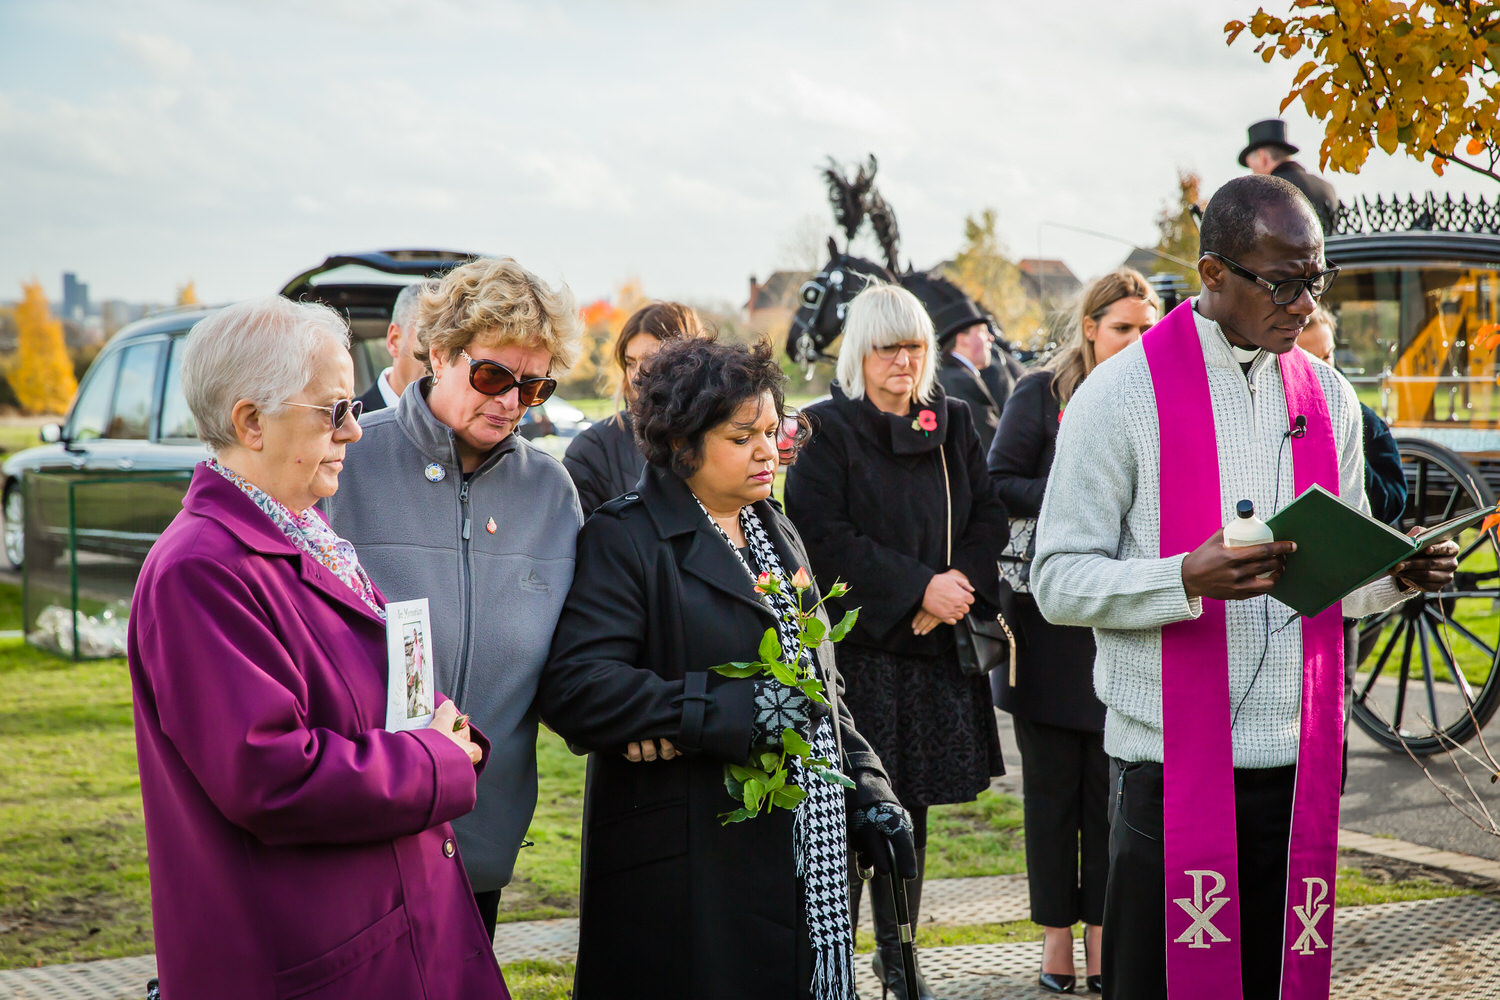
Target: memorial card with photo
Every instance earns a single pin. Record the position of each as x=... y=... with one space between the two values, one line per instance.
x=408 y=637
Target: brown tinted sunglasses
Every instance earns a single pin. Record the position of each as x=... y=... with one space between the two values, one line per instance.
x=494 y=379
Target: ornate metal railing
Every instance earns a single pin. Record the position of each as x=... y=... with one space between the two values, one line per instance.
x=1427 y=213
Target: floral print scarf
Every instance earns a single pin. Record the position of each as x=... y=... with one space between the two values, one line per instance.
x=311 y=535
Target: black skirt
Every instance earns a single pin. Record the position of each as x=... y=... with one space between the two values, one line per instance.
x=933 y=728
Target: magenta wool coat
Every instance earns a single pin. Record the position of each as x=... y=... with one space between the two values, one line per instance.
x=297 y=849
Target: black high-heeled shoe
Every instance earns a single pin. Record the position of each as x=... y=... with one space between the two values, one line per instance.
x=1096 y=984
x=1053 y=983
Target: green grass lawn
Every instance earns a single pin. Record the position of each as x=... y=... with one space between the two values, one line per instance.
x=19 y=435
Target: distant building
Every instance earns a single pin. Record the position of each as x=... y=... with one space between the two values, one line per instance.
x=1048 y=280
x=75 y=303
x=1145 y=261
x=771 y=306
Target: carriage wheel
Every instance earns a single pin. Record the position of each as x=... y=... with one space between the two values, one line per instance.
x=1427 y=668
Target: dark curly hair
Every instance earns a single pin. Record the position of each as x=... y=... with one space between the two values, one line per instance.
x=693 y=386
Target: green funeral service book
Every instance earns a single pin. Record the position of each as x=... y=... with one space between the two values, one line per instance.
x=1340 y=550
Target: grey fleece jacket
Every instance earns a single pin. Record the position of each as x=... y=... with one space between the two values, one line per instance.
x=494 y=595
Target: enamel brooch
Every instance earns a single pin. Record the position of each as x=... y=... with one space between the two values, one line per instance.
x=435 y=473
x=490 y=526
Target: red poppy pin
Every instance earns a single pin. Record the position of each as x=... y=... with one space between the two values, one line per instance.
x=927 y=420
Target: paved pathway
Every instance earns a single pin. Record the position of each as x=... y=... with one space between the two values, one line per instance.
x=1440 y=949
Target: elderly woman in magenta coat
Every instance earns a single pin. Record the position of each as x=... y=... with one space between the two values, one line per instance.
x=297 y=848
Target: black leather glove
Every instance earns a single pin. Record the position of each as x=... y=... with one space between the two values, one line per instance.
x=779 y=707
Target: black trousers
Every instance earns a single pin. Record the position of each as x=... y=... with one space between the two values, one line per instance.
x=1065 y=785
x=1135 y=945
x=489 y=910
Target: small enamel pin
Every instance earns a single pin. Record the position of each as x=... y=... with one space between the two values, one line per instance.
x=490 y=526
x=434 y=473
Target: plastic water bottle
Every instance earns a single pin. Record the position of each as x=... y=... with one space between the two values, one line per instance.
x=1247 y=529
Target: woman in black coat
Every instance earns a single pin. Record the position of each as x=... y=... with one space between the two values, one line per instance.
x=675 y=903
x=604 y=460
x=1059 y=721
x=870 y=495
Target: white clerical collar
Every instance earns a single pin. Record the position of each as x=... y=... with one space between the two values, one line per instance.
x=1242 y=355
x=391 y=396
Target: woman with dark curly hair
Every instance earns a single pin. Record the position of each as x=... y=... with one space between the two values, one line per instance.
x=604 y=460
x=676 y=903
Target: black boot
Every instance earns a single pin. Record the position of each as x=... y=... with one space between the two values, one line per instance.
x=887 y=961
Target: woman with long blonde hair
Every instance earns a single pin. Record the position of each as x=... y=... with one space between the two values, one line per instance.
x=1059 y=722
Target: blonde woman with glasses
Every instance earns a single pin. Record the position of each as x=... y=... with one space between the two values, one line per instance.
x=892 y=495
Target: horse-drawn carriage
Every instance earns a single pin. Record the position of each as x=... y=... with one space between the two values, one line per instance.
x=1420 y=285
x=1416 y=302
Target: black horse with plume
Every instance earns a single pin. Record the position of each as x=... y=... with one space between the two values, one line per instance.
x=824 y=299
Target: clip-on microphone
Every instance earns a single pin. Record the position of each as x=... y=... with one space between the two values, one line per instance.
x=1299 y=427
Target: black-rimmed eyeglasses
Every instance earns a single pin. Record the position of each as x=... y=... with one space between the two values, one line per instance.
x=494 y=379
x=1288 y=290
x=338 y=411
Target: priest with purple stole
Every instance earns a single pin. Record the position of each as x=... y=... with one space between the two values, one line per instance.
x=1226 y=711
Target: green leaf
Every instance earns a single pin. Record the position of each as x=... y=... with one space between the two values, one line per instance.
x=770 y=761
x=789 y=797
x=734 y=786
x=778 y=780
x=770 y=646
x=813 y=688
x=737 y=669
x=784 y=674
x=794 y=743
x=738 y=816
x=813 y=632
x=846 y=623
x=755 y=793
x=740 y=771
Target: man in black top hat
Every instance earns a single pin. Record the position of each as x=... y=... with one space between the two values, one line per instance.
x=966 y=354
x=1268 y=152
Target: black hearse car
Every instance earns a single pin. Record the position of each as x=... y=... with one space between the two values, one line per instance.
x=129 y=422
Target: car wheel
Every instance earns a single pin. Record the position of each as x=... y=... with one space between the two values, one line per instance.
x=15 y=526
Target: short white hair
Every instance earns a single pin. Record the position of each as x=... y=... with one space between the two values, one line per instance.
x=881 y=315
x=262 y=350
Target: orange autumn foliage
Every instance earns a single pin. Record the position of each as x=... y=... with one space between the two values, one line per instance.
x=1420 y=75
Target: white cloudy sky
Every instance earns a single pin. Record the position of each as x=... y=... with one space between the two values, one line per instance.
x=235 y=142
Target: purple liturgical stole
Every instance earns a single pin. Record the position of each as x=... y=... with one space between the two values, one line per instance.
x=1202 y=890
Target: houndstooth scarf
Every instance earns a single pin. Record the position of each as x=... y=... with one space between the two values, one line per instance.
x=818 y=826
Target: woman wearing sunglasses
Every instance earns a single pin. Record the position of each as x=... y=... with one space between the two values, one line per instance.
x=445 y=501
x=274 y=798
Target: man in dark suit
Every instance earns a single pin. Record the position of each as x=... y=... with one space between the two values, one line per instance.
x=400 y=341
x=1268 y=152
x=966 y=354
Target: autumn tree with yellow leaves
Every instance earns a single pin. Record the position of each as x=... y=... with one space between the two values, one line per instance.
x=1420 y=76
x=187 y=295
x=986 y=273
x=41 y=374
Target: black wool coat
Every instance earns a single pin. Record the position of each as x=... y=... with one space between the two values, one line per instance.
x=674 y=905
x=1054 y=663
x=604 y=462
x=867 y=495
x=959 y=381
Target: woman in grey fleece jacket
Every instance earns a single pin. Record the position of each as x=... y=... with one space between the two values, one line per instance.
x=444 y=501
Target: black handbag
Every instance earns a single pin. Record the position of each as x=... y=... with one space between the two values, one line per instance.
x=982 y=643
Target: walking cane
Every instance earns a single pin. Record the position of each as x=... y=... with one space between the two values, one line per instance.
x=903 y=926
